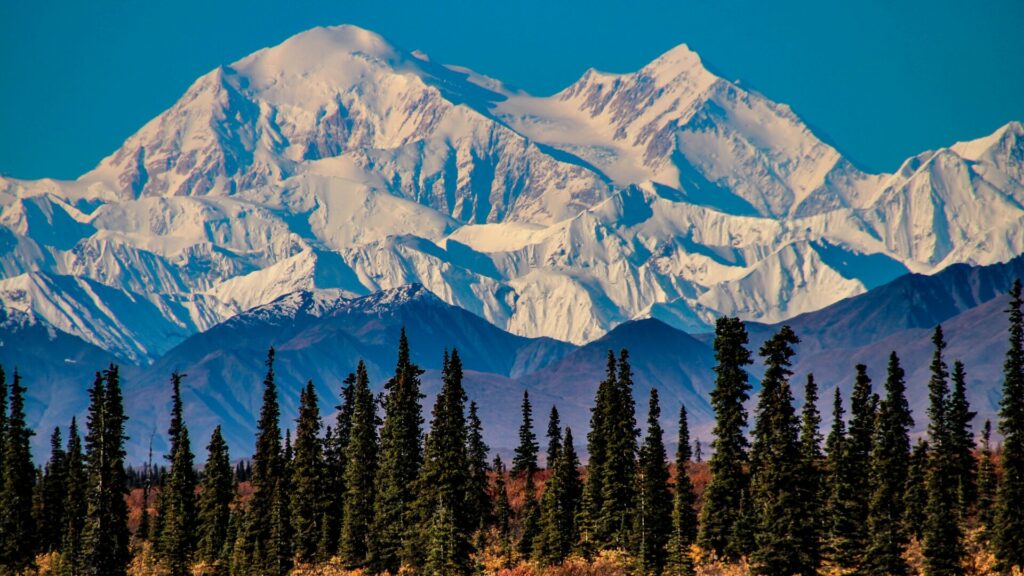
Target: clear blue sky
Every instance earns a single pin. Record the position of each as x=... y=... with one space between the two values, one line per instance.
x=881 y=80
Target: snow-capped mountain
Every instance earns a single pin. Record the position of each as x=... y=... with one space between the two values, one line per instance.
x=339 y=161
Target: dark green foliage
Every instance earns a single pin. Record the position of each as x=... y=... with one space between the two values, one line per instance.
x=525 y=459
x=618 y=489
x=307 y=478
x=775 y=467
x=214 y=512
x=554 y=437
x=890 y=462
x=943 y=548
x=915 y=497
x=654 y=499
x=986 y=479
x=811 y=484
x=559 y=506
x=1009 y=532
x=596 y=447
x=176 y=538
x=401 y=454
x=440 y=519
x=477 y=498
x=53 y=495
x=502 y=510
x=360 y=471
x=850 y=470
x=684 y=512
x=529 y=518
x=962 y=440
x=17 y=525
x=336 y=441
x=722 y=513
x=75 y=502
x=105 y=533
x=259 y=546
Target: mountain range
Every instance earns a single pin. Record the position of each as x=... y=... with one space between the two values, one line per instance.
x=322 y=193
x=337 y=160
x=321 y=335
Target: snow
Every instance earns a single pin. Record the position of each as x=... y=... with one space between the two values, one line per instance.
x=341 y=164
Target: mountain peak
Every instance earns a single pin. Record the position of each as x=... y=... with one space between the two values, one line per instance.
x=675 y=62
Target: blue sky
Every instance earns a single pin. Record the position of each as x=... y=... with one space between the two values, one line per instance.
x=881 y=80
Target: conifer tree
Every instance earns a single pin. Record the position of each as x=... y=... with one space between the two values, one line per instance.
x=307 y=478
x=863 y=412
x=775 y=467
x=177 y=499
x=559 y=506
x=525 y=460
x=890 y=462
x=596 y=448
x=360 y=471
x=618 y=495
x=684 y=513
x=724 y=495
x=17 y=525
x=986 y=480
x=54 y=492
x=943 y=548
x=554 y=437
x=529 y=515
x=401 y=454
x=214 y=506
x=255 y=544
x=838 y=502
x=477 y=498
x=1009 y=520
x=74 y=503
x=441 y=506
x=336 y=441
x=962 y=440
x=105 y=532
x=811 y=483
x=502 y=510
x=654 y=514
x=915 y=497
x=3 y=422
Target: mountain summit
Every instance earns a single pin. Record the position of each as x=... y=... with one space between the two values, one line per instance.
x=339 y=161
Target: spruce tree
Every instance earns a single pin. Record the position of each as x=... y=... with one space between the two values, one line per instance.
x=255 y=538
x=559 y=506
x=17 y=525
x=596 y=448
x=839 y=490
x=401 y=454
x=525 y=460
x=105 y=532
x=684 y=513
x=502 y=511
x=654 y=500
x=3 y=423
x=943 y=547
x=360 y=471
x=775 y=467
x=962 y=440
x=890 y=463
x=442 y=488
x=307 y=478
x=915 y=497
x=618 y=495
x=554 y=437
x=54 y=493
x=214 y=506
x=529 y=518
x=336 y=441
x=74 y=503
x=986 y=480
x=863 y=412
x=811 y=483
x=724 y=495
x=177 y=499
x=477 y=498
x=1009 y=518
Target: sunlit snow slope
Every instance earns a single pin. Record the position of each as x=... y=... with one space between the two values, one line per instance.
x=337 y=160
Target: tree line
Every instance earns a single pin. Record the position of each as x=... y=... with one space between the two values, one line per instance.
x=383 y=491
